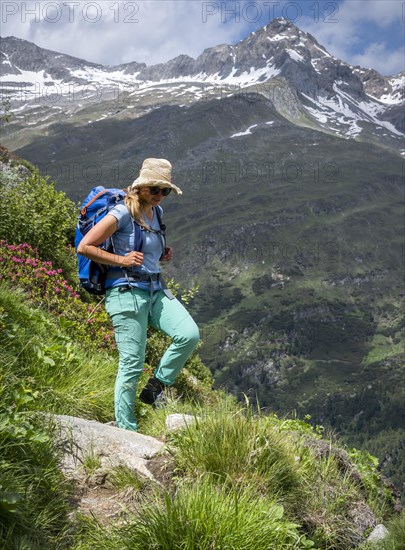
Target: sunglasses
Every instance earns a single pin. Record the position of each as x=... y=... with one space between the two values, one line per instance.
x=164 y=190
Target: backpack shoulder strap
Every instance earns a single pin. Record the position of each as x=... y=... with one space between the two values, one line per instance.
x=159 y=212
x=138 y=236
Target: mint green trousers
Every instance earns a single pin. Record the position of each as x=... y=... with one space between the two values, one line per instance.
x=130 y=314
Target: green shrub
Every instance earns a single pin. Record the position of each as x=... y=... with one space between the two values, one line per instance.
x=367 y=465
x=34 y=212
x=46 y=287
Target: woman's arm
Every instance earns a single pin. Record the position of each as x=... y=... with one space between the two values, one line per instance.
x=104 y=229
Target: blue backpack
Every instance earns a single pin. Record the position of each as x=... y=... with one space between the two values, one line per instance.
x=96 y=205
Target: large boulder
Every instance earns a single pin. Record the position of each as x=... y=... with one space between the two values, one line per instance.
x=83 y=439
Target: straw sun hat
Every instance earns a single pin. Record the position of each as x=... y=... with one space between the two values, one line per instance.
x=155 y=172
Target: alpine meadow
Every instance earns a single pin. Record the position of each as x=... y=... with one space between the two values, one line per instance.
x=289 y=253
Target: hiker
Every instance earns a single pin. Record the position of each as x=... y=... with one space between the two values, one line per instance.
x=136 y=295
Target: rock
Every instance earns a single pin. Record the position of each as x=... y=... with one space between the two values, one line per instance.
x=108 y=445
x=363 y=519
x=323 y=448
x=378 y=533
x=107 y=504
x=176 y=422
x=23 y=171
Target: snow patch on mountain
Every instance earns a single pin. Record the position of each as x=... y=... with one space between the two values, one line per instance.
x=342 y=110
x=276 y=38
x=345 y=110
x=325 y=53
x=397 y=94
x=31 y=78
x=295 y=55
x=102 y=77
x=208 y=81
x=245 y=133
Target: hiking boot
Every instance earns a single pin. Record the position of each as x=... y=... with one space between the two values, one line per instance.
x=152 y=391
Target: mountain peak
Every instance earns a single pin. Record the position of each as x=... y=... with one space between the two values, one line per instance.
x=281 y=26
x=281 y=21
x=279 y=49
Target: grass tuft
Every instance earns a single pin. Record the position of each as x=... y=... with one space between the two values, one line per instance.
x=233 y=446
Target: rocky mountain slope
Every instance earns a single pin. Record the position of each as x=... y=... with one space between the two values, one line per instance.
x=314 y=88
x=291 y=221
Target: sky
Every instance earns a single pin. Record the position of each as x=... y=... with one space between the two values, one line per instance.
x=369 y=33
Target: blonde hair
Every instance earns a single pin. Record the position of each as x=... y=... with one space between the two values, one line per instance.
x=133 y=202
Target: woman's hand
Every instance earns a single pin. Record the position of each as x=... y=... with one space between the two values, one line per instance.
x=168 y=254
x=131 y=259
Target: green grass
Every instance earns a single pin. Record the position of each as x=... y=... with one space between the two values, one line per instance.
x=382 y=347
x=242 y=478
x=202 y=517
x=230 y=445
x=43 y=369
x=91 y=462
x=279 y=460
x=123 y=477
x=39 y=358
x=33 y=492
x=396 y=534
x=395 y=540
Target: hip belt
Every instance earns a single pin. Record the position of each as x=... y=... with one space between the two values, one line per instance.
x=144 y=278
x=140 y=278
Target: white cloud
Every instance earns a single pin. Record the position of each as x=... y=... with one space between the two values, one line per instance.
x=153 y=31
x=381 y=12
x=345 y=39
x=380 y=58
x=112 y=32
